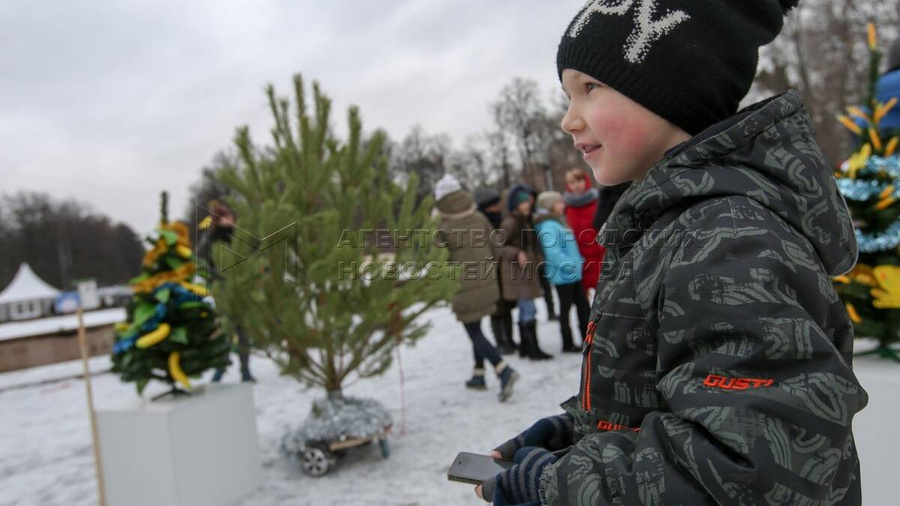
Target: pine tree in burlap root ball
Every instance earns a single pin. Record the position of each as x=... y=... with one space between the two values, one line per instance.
x=332 y=264
x=171 y=333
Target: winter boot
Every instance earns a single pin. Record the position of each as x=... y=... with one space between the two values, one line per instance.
x=504 y=341
x=246 y=377
x=568 y=345
x=508 y=331
x=535 y=351
x=477 y=381
x=497 y=330
x=524 y=341
x=217 y=377
x=508 y=377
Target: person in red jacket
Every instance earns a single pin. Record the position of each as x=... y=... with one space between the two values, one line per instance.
x=581 y=205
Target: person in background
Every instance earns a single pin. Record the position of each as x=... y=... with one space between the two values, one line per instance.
x=466 y=233
x=544 y=278
x=488 y=201
x=564 y=264
x=519 y=274
x=581 y=207
x=218 y=227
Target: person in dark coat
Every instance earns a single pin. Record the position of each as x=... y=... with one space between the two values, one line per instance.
x=466 y=233
x=488 y=201
x=519 y=259
x=218 y=227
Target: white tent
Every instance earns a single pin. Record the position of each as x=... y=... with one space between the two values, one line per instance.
x=26 y=296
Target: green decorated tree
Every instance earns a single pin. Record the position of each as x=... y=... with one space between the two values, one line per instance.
x=870 y=183
x=331 y=264
x=171 y=333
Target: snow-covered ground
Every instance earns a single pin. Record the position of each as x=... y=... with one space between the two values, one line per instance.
x=46 y=456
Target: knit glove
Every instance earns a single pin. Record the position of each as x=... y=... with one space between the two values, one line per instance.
x=552 y=433
x=519 y=484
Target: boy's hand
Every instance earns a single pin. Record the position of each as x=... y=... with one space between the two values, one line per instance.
x=495 y=454
x=522 y=258
x=519 y=484
x=551 y=433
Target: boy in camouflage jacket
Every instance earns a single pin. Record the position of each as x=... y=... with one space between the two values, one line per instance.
x=717 y=364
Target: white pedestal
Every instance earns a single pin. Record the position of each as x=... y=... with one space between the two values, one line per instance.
x=875 y=431
x=198 y=451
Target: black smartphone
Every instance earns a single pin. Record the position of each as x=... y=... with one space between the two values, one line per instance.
x=473 y=468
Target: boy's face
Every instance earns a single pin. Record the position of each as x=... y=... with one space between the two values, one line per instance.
x=621 y=140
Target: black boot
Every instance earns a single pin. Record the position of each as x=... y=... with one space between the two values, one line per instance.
x=524 y=341
x=508 y=331
x=568 y=344
x=535 y=352
x=502 y=344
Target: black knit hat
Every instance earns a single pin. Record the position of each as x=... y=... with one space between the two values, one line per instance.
x=689 y=61
x=486 y=197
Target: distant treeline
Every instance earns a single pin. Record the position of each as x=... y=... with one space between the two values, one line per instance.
x=64 y=241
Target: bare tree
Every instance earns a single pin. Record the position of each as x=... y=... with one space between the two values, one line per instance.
x=64 y=241
x=518 y=112
x=823 y=54
x=209 y=187
x=424 y=155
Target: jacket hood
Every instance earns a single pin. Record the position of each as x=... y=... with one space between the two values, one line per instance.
x=456 y=204
x=542 y=215
x=510 y=196
x=767 y=153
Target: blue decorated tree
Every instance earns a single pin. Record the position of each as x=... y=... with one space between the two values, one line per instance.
x=870 y=183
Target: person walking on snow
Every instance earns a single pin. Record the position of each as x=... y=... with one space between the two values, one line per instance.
x=718 y=362
x=488 y=201
x=564 y=264
x=581 y=206
x=466 y=233
x=519 y=257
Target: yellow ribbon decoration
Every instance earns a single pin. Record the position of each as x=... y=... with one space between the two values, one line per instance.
x=854 y=316
x=888 y=277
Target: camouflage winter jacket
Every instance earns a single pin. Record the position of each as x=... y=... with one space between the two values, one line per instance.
x=717 y=366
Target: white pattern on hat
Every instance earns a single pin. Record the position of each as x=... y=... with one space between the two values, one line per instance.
x=646 y=31
x=445 y=186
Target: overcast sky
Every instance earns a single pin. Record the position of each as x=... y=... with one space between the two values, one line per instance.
x=111 y=102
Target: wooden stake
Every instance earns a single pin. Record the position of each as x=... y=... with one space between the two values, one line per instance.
x=82 y=341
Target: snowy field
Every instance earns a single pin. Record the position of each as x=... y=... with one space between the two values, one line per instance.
x=46 y=456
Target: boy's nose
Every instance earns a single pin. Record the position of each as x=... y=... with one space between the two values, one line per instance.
x=571 y=122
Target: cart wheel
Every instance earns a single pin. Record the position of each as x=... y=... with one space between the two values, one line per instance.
x=316 y=461
x=385 y=448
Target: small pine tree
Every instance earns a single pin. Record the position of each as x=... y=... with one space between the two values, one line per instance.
x=870 y=184
x=352 y=266
x=171 y=334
